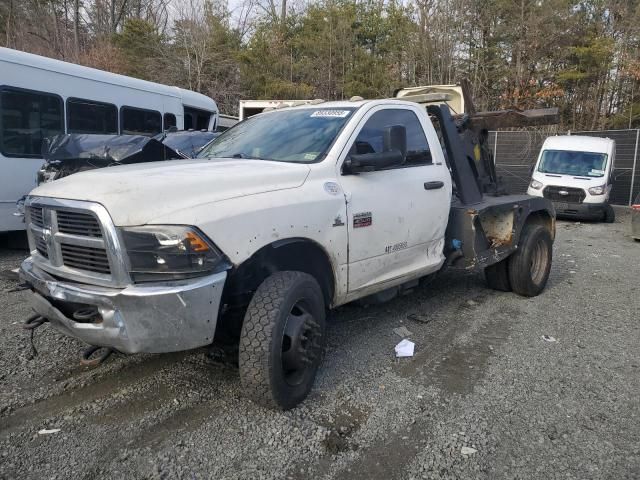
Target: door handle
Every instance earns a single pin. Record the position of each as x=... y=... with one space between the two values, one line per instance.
x=433 y=185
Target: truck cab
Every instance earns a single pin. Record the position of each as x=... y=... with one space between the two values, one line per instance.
x=575 y=173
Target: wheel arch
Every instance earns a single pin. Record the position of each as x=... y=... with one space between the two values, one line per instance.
x=543 y=218
x=290 y=254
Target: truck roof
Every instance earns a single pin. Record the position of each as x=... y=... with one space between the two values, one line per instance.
x=349 y=103
x=580 y=143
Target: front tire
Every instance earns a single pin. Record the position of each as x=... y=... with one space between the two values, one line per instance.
x=530 y=265
x=609 y=214
x=282 y=340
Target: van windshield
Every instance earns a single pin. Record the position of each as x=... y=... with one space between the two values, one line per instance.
x=578 y=164
x=294 y=135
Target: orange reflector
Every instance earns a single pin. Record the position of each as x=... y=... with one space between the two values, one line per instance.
x=196 y=243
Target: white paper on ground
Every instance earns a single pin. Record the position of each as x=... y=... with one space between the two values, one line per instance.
x=405 y=348
x=44 y=431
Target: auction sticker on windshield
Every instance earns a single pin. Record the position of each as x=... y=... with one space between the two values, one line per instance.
x=331 y=113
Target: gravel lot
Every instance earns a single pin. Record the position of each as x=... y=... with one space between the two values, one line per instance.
x=482 y=378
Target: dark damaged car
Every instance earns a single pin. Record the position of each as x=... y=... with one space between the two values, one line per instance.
x=68 y=154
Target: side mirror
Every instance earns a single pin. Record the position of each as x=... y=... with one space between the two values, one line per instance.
x=394 y=153
x=370 y=162
x=531 y=169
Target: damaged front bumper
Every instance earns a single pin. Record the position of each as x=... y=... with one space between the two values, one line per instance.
x=151 y=318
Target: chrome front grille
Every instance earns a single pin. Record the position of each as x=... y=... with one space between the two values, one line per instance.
x=41 y=246
x=75 y=240
x=36 y=216
x=85 y=258
x=76 y=223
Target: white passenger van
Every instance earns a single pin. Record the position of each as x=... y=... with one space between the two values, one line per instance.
x=41 y=97
x=575 y=173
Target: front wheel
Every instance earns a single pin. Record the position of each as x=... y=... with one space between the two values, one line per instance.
x=530 y=265
x=282 y=340
x=609 y=214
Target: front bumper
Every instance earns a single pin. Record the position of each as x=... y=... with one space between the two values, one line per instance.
x=152 y=318
x=584 y=211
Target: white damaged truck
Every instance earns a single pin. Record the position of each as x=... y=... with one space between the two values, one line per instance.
x=283 y=217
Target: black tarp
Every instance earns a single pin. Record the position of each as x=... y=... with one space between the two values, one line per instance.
x=68 y=154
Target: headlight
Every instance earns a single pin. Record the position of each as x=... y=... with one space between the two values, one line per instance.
x=535 y=184
x=598 y=190
x=170 y=252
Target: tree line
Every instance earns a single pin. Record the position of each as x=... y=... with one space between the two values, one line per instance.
x=581 y=56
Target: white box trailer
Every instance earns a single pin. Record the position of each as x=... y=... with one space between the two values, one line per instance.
x=248 y=108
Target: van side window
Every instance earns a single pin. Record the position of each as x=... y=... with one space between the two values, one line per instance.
x=137 y=121
x=371 y=137
x=27 y=118
x=88 y=116
x=169 y=121
x=196 y=119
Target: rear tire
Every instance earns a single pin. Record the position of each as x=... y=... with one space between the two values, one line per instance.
x=497 y=276
x=282 y=340
x=609 y=214
x=530 y=265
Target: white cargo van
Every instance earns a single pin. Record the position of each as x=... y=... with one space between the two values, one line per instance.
x=575 y=173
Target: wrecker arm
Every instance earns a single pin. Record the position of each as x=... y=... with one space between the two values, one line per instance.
x=484 y=222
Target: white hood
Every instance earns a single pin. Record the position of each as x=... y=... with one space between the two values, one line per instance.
x=136 y=194
x=562 y=180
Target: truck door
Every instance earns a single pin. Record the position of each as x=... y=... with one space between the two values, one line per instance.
x=396 y=217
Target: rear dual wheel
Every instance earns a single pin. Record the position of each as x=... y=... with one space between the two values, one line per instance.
x=527 y=270
x=282 y=340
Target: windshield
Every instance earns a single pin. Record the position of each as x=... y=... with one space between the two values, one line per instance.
x=296 y=135
x=579 y=164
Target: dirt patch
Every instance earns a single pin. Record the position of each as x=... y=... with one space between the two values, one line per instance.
x=342 y=426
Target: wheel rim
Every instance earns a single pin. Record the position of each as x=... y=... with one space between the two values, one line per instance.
x=539 y=260
x=300 y=344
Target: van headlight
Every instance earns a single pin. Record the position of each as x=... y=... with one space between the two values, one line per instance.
x=599 y=190
x=170 y=252
x=535 y=184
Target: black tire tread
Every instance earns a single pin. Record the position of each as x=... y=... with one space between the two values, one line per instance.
x=257 y=334
x=519 y=275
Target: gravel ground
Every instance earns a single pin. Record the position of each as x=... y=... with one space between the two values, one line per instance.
x=482 y=378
